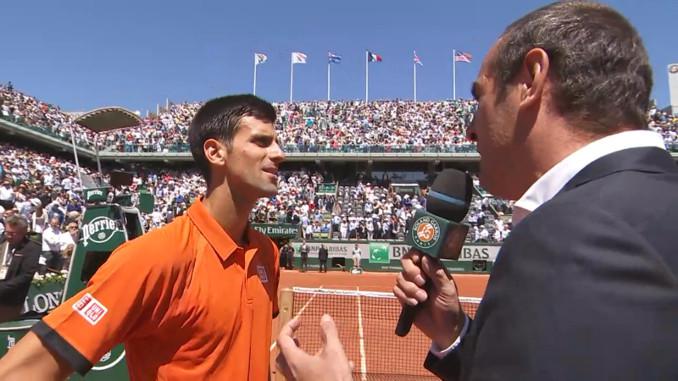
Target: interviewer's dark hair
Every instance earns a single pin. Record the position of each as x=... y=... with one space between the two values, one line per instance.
x=219 y=119
x=599 y=65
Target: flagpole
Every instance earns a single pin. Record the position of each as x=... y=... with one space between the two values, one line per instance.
x=254 y=86
x=454 y=74
x=328 y=79
x=291 y=77
x=367 y=77
x=414 y=65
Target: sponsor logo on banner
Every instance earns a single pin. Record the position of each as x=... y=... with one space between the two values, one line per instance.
x=379 y=253
x=94 y=193
x=398 y=250
x=99 y=230
x=426 y=232
x=277 y=230
x=42 y=302
x=335 y=250
x=468 y=252
x=673 y=69
x=90 y=309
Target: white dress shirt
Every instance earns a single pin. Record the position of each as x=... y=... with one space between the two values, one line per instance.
x=549 y=184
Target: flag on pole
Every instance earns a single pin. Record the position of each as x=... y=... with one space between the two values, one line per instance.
x=417 y=60
x=298 y=58
x=260 y=58
x=463 y=57
x=373 y=57
x=333 y=58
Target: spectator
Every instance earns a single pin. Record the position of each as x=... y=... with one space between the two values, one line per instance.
x=54 y=242
x=7 y=194
x=356 y=255
x=38 y=217
x=289 y=255
x=304 y=249
x=323 y=255
x=20 y=257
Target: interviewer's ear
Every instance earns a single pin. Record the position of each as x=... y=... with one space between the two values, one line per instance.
x=533 y=76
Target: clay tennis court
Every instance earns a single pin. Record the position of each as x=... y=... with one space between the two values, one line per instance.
x=365 y=312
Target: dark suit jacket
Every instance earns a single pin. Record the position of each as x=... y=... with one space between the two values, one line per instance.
x=585 y=287
x=22 y=268
x=322 y=254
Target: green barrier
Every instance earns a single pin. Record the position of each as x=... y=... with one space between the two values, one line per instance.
x=44 y=295
x=107 y=369
x=13 y=331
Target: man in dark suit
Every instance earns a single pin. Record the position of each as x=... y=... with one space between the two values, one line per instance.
x=586 y=285
x=20 y=262
x=288 y=253
x=322 y=258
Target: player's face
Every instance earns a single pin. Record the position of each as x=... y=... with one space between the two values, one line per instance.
x=493 y=128
x=253 y=159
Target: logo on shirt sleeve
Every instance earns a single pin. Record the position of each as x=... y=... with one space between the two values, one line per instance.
x=90 y=309
x=262 y=273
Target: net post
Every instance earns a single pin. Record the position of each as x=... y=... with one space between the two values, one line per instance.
x=286 y=308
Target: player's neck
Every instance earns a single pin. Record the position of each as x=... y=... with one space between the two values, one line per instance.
x=231 y=214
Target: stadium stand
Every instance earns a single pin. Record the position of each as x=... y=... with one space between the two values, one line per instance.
x=348 y=126
x=357 y=211
x=325 y=203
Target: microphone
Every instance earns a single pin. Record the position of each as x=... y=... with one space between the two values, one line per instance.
x=437 y=231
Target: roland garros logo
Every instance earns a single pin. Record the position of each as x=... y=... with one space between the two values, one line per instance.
x=99 y=230
x=426 y=232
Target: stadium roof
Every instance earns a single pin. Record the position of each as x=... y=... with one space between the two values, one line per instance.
x=108 y=118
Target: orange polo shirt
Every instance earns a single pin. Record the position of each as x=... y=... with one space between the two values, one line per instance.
x=187 y=302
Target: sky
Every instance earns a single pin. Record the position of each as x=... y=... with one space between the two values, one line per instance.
x=81 y=54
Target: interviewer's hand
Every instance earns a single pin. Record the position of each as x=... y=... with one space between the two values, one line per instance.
x=441 y=317
x=329 y=364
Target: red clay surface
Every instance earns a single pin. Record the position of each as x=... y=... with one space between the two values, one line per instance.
x=382 y=355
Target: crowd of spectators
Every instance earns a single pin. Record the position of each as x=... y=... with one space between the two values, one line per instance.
x=376 y=126
x=666 y=125
x=321 y=126
x=40 y=187
x=367 y=211
x=28 y=111
x=344 y=126
x=380 y=126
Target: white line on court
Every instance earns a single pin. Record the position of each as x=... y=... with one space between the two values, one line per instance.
x=298 y=314
x=363 y=362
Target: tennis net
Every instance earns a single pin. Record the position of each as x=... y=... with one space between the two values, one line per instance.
x=366 y=322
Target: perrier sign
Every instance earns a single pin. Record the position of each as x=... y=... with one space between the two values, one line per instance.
x=102 y=229
x=93 y=195
x=99 y=230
